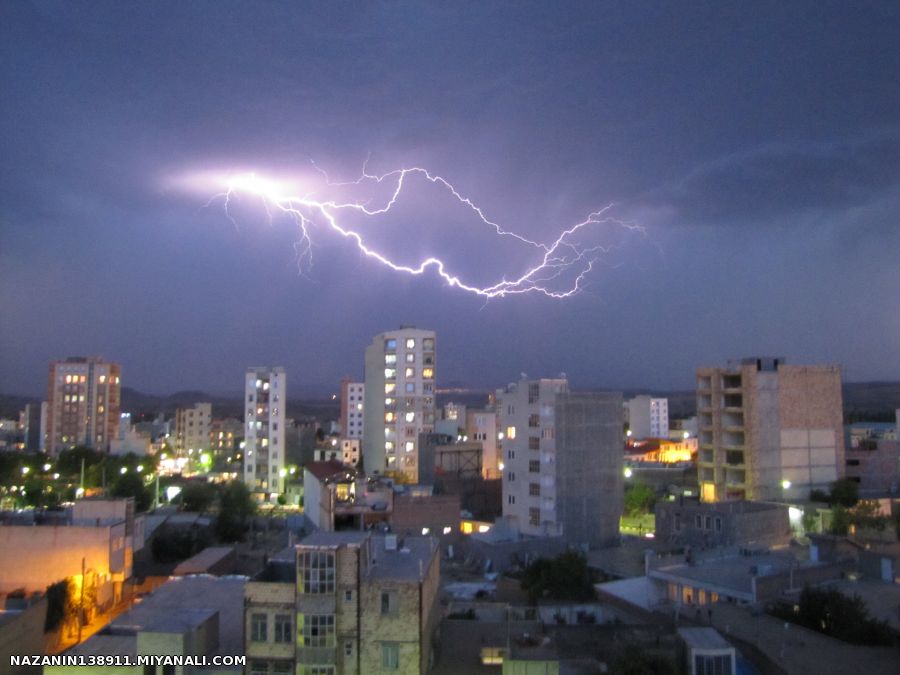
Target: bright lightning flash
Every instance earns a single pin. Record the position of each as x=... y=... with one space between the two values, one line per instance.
x=559 y=270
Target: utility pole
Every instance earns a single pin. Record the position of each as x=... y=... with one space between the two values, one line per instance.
x=82 y=476
x=81 y=601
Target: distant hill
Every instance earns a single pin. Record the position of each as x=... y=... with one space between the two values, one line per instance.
x=871 y=401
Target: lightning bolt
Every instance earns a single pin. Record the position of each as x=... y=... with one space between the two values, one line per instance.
x=563 y=256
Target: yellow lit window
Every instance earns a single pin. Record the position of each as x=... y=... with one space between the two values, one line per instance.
x=410 y=372
x=510 y=432
x=390 y=388
x=410 y=446
x=428 y=373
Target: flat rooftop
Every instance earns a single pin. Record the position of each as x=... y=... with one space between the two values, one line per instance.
x=200 y=563
x=703 y=638
x=176 y=606
x=732 y=574
x=335 y=539
x=408 y=563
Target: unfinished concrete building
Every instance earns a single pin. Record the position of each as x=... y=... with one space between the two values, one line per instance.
x=768 y=431
x=562 y=461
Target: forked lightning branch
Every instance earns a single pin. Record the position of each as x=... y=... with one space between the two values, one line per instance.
x=559 y=268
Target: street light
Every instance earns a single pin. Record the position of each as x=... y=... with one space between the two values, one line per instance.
x=786 y=484
x=123 y=470
x=25 y=470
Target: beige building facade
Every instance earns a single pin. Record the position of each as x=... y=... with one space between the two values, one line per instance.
x=768 y=430
x=353 y=603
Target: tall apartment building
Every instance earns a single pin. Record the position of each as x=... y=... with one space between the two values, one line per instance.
x=264 y=450
x=399 y=400
x=562 y=461
x=192 y=428
x=83 y=396
x=345 y=603
x=352 y=394
x=768 y=430
x=648 y=417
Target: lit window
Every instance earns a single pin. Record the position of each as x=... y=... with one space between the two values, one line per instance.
x=410 y=417
x=410 y=357
x=389 y=446
x=359 y=406
x=390 y=388
x=390 y=359
x=410 y=343
x=510 y=432
x=102 y=379
x=389 y=401
x=410 y=387
x=390 y=373
x=389 y=417
x=410 y=372
x=410 y=446
x=428 y=373
x=390 y=344
x=428 y=344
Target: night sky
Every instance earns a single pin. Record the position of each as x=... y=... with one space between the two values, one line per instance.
x=757 y=145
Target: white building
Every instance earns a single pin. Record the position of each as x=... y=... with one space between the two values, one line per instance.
x=352 y=395
x=266 y=398
x=192 y=426
x=648 y=417
x=562 y=461
x=399 y=400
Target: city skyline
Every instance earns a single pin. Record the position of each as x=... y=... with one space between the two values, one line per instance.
x=756 y=146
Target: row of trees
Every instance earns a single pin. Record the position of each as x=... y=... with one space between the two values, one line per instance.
x=840 y=616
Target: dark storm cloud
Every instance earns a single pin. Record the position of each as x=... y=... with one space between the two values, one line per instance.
x=774 y=121
x=776 y=180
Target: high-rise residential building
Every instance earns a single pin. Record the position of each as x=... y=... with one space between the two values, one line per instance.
x=192 y=428
x=648 y=417
x=345 y=603
x=562 y=461
x=264 y=450
x=768 y=430
x=399 y=400
x=82 y=403
x=352 y=395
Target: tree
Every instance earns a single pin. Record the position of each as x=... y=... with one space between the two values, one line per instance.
x=236 y=508
x=69 y=461
x=197 y=496
x=636 y=661
x=840 y=521
x=565 y=577
x=639 y=498
x=841 y=616
x=844 y=492
x=132 y=485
